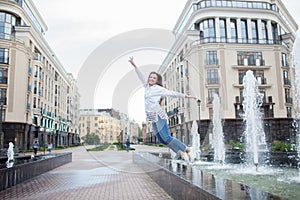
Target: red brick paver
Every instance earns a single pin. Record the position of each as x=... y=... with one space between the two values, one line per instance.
x=108 y=175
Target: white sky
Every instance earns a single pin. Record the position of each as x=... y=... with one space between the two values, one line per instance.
x=76 y=28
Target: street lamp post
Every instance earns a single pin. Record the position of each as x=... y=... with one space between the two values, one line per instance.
x=43 y=131
x=199 y=123
x=1 y=120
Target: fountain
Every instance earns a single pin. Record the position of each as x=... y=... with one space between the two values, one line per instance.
x=218 y=136
x=254 y=132
x=296 y=65
x=233 y=181
x=10 y=155
x=195 y=155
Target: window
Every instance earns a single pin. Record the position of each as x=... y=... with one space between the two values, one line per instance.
x=207 y=31
x=233 y=30
x=211 y=93
x=211 y=58
x=275 y=33
x=244 y=31
x=288 y=111
x=3 y=76
x=258 y=74
x=3 y=92
x=284 y=60
x=286 y=80
x=223 y=30
x=288 y=98
x=4 y=56
x=212 y=76
x=7 y=23
x=264 y=32
x=250 y=58
x=254 y=31
x=35 y=87
x=242 y=73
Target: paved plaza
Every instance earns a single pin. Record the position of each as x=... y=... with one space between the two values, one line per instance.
x=108 y=174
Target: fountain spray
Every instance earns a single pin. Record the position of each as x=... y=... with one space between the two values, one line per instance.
x=254 y=133
x=296 y=65
x=218 y=135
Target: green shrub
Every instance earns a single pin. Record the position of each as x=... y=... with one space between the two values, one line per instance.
x=99 y=148
x=282 y=146
x=236 y=145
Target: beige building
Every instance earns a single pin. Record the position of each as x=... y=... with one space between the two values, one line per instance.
x=39 y=99
x=216 y=43
x=110 y=125
x=101 y=123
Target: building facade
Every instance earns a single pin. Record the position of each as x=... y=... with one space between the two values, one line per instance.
x=216 y=43
x=101 y=123
x=110 y=125
x=39 y=99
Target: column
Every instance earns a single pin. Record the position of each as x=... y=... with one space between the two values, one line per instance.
x=228 y=29
x=259 y=30
x=239 y=30
x=249 y=29
x=217 y=28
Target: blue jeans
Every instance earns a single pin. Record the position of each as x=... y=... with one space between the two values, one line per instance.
x=162 y=133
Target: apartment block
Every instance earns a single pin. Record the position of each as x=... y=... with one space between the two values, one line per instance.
x=217 y=42
x=39 y=98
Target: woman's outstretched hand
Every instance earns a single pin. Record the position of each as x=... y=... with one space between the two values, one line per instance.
x=132 y=62
x=191 y=97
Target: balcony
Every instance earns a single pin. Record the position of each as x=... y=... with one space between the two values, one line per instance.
x=252 y=64
x=262 y=83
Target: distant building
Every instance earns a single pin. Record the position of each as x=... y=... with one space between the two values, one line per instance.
x=109 y=124
x=101 y=123
x=39 y=99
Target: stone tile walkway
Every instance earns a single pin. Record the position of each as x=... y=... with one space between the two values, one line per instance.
x=108 y=175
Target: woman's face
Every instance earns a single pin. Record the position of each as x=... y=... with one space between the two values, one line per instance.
x=152 y=79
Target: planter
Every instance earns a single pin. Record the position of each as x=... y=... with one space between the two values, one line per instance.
x=31 y=168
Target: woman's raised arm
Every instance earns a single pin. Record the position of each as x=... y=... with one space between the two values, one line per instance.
x=139 y=73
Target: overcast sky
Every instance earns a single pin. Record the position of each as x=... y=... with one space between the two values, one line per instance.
x=76 y=27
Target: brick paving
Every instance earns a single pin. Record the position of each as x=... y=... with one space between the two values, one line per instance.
x=108 y=175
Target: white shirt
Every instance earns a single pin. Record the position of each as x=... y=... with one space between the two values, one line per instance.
x=152 y=96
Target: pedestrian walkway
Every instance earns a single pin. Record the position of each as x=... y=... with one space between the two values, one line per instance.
x=108 y=175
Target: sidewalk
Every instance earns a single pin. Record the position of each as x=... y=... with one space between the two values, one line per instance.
x=108 y=175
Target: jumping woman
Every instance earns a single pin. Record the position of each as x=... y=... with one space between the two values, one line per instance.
x=154 y=92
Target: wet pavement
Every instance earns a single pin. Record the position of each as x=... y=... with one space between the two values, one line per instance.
x=108 y=175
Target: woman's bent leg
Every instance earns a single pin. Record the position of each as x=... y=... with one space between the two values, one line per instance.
x=156 y=133
x=171 y=142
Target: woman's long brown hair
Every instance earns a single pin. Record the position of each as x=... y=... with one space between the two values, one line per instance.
x=158 y=82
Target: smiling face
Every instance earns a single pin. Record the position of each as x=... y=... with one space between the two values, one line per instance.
x=152 y=80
